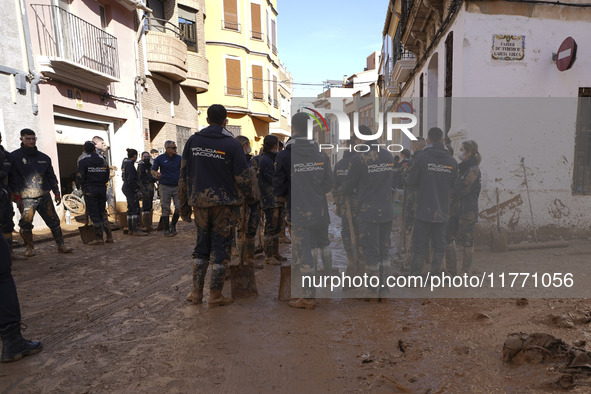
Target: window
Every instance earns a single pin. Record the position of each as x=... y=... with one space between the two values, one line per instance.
x=182 y=135
x=257 y=83
x=188 y=27
x=233 y=78
x=273 y=36
x=103 y=14
x=231 y=15
x=275 y=102
x=269 y=87
x=582 y=162
x=255 y=15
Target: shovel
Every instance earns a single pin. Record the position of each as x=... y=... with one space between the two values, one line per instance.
x=352 y=269
x=86 y=232
x=242 y=276
x=498 y=238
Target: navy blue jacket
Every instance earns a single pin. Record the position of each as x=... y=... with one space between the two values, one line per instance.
x=131 y=180
x=170 y=168
x=303 y=177
x=467 y=190
x=4 y=169
x=31 y=175
x=433 y=173
x=265 y=180
x=93 y=173
x=371 y=174
x=147 y=180
x=213 y=170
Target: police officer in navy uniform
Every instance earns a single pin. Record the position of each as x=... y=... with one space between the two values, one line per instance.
x=14 y=346
x=146 y=195
x=303 y=177
x=433 y=174
x=93 y=175
x=31 y=179
x=214 y=181
x=371 y=175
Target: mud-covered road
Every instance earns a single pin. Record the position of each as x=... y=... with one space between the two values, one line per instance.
x=114 y=319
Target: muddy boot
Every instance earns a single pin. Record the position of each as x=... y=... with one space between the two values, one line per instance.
x=467 y=257
x=27 y=236
x=136 y=226
x=59 y=240
x=173 y=221
x=14 y=257
x=147 y=221
x=199 y=270
x=303 y=303
x=166 y=224
x=269 y=252
x=276 y=254
x=14 y=346
x=129 y=225
x=217 y=299
x=451 y=259
x=283 y=238
x=98 y=235
x=249 y=245
x=108 y=232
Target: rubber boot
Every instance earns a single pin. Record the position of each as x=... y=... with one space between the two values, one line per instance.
x=166 y=223
x=199 y=271
x=283 y=237
x=14 y=346
x=451 y=259
x=13 y=256
x=326 y=257
x=249 y=245
x=129 y=225
x=276 y=254
x=59 y=240
x=135 y=219
x=269 y=252
x=216 y=298
x=98 y=235
x=303 y=303
x=27 y=236
x=147 y=221
x=173 y=221
x=108 y=232
x=467 y=257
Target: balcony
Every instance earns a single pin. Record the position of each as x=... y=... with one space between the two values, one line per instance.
x=73 y=50
x=166 y=50
x=258 y=96
x=275 y=103
x=233 y=26
x=257 y=35
x=403 y=65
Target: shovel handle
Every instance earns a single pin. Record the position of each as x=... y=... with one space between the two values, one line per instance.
x=351 y=231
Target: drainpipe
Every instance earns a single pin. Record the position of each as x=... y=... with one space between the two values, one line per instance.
x=31 y=62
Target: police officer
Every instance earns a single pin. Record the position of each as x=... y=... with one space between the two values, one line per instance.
x=214 y=178
x=371 y=175
x=147 y=181
x=303 y=177
x=93 y=175
x=253 y=204
x=14 y=346
x=433 y=173
x=167 y=169
x=31 y=179
x=272 y=208
x=131 y=187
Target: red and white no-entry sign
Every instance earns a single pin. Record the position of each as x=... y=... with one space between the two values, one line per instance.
x=567 y=53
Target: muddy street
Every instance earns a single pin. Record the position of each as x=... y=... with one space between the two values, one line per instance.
x=114 y=319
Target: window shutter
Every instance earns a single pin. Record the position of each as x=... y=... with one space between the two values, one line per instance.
x=255 y=13
x=233 y=80
x=257 y=83
x=230 y=14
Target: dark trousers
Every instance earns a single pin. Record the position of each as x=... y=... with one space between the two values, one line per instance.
x=422 y=233
x=133 y=204
x=6 y=212
x=215 y=230
x=44 y=206
x=254 y=218
x=95 y=201
x=10 y=311
x=375 y=243
x=273 y=221
x=302 y=243
x=148 y=200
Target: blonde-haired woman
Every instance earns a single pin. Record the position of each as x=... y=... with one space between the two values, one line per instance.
x=464 y=208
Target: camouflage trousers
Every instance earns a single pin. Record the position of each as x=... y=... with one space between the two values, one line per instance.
x=461 y=231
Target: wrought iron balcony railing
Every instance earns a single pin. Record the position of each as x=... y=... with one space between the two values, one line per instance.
x=258 y=96
x=164 y=26
x=63 y=35
x=230 y=91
